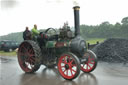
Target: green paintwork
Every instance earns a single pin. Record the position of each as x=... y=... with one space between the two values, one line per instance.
x=52 y=44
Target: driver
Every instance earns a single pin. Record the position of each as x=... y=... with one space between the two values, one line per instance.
x=35 y=32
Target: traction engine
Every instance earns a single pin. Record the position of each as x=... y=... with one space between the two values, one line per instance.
x=66 y=50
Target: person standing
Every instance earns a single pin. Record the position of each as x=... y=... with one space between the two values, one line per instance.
x=27 y=34
x=35 y=32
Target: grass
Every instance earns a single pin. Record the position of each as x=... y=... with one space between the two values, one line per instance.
x=2 y=53
x=94 y=40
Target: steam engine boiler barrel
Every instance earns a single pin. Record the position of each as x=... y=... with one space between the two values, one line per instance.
x=76 y=20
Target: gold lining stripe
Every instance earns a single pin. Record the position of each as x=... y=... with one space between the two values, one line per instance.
x=76 y=8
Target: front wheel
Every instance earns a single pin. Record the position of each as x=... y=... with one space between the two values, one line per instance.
x=90 y=63
x=69 y=66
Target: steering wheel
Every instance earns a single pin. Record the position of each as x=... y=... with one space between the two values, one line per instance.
x=51 y=31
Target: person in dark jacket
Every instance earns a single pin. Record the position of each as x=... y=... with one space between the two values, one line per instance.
x=27 y=34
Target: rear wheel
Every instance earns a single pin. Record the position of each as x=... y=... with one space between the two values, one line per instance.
x=69 y=66
x=29 y=56
x=90 y=63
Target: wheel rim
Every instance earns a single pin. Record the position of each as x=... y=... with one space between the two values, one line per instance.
x=89 y=64
x=26 y=57
x=67 y=67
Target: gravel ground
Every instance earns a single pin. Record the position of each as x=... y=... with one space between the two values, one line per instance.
x=112 y=50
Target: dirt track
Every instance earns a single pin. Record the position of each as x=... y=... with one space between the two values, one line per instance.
x=104 y=74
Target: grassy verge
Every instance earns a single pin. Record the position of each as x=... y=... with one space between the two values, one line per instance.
x=2 y=53
x=94 y=40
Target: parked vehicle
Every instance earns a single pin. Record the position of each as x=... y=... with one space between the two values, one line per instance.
x=8 y=45
x=0 y=45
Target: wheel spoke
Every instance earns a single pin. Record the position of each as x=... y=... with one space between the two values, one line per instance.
x=71 y=72
x=73 y=65
x=84 y=65
x=62 y=66
x=65 y=60
x=24 y=47
x=27 y=67
x=91 y=62
x=89 y=66
x=71 y=61
x=31 y=55
x=91 y=59
x=30 y=51
x=64 y=70
x=32 y=60
x=67 y=72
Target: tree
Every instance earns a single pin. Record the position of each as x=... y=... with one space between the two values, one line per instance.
x=125 y=21
x=105 y=23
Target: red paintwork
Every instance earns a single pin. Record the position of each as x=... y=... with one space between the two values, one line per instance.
x=26 y=64
x=59 y=44
x=88 y=66
x=70 y=72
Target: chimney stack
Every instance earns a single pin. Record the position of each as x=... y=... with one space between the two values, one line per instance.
x=76 y=20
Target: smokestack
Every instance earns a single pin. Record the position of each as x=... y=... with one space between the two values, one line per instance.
x=76 y=20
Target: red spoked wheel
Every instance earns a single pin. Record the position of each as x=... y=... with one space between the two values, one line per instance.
x=28 y=54
x=90 y=63
x=69 y=66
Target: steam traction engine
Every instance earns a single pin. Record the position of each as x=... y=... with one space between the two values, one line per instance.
x=68 y=52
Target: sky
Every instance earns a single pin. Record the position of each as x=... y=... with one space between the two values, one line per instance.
x=15 y=15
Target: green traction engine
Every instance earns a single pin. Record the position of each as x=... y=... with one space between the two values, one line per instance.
x=61 y=49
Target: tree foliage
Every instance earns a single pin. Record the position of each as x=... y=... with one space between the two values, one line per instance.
x=104 y=30
x=125 y=21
